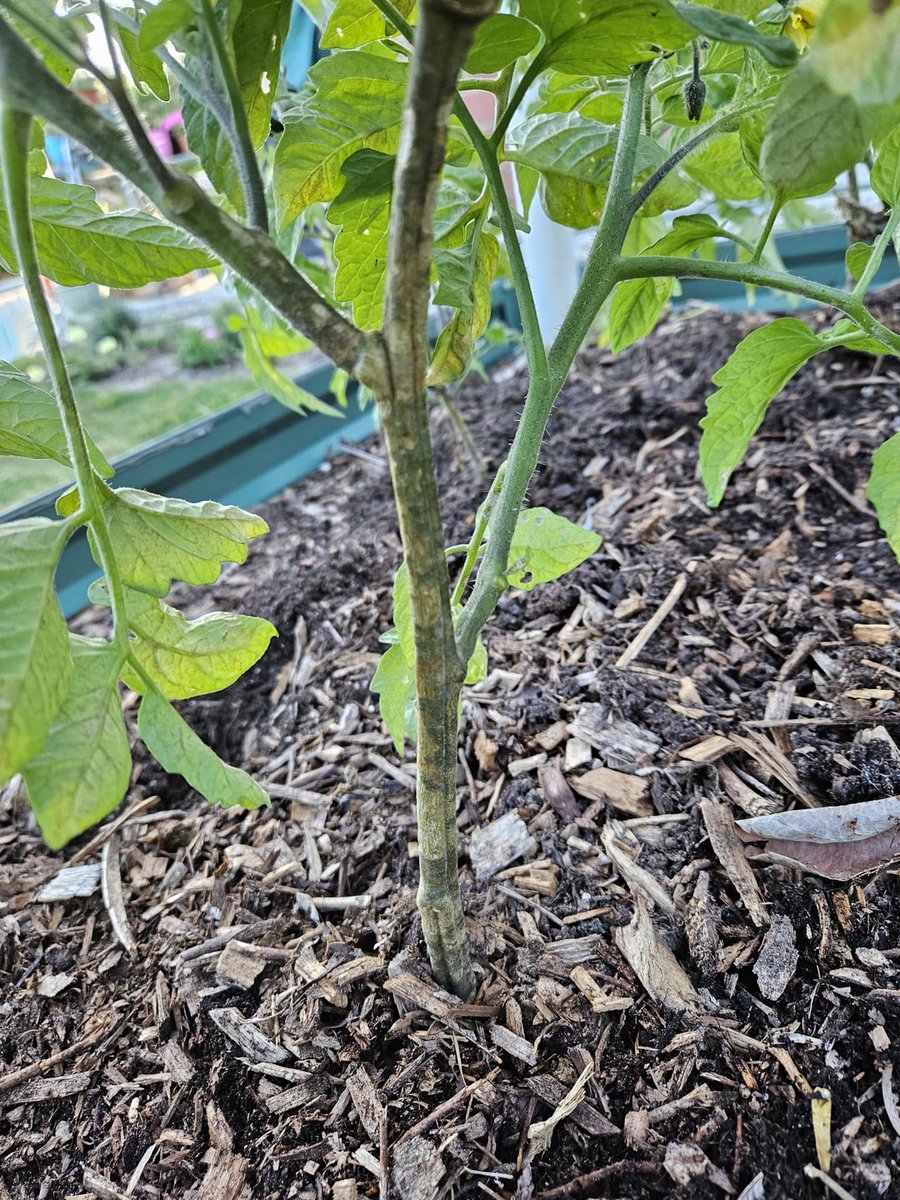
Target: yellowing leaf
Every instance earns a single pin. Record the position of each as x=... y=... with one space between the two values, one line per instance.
x=363 y=211
x=157 y=539
x=35 y=659
x=751 y=379
x=179 y=751
x=545 y=546
x=476 y=263
x=84 y=768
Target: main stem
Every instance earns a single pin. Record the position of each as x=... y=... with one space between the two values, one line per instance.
x=442 y=40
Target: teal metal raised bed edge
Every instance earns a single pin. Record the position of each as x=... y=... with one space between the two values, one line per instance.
x=255 y=448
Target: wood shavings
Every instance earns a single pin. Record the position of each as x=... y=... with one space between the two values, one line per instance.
x=540 y=1133
x=728 y=850
x=70 y=883
x=111 y=883
x=660 y=973
x=493 y=847
x=778 y=958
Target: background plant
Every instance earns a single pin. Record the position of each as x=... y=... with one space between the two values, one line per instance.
x=612 y=115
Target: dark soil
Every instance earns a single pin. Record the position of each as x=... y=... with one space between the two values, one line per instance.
x=782 y=640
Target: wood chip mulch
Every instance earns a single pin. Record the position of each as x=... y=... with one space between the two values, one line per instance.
x=215 y=1005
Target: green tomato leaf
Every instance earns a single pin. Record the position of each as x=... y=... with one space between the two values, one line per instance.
x=500 y=40
x=637 y=304
x=726 y=27
x=403 y=623
x=157 y=538
x=44 y=32
x=35 y=659
x=358 y=103
x=545 y=546
x=394 y=684
x=884 y=489
x=857 y=258
x=478 y=664
x=850 y=332
x=187 y=658
x=856 y=49
x=363 y=211
x=77 y=242
x=164 y=19
x=813 y=135
x=604 y=37
x=145 y=68
x=84 y=768
x=473 y=269
x=885 y=177
x=574 y=157
x=353 y=23
x=179 y=751
x=720 y=166
x=751 y=379
x=30 y=425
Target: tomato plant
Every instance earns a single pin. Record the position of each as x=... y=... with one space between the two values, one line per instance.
x=615 y=116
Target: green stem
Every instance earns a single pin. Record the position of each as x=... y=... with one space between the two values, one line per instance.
x=718 y=124
x=531 y=73
x=651 y=266
x=777 y=205
x=242 y=144
x=878 y=251
x=15 y=135
x=596 y=282
x=482 y=517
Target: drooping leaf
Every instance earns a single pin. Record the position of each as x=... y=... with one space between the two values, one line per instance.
x=179 y=751
x=30 y=425
x=813 y=135
x=885 y=176
x=77 y=242
x=472 y=272
x=35 y=659
x=188 y=658
x=276 y=383
x=856 y=48
x=545 y=546
x=363 y=211
x=500 y=40
x=157 y=538
x=727 y=27
x=47 y=31
x=574 y=158
x=751 y=379
x=394 y=684
x=145 y=68
x=605 y=37
x=637 y=304
x=84 y=768
x=358 y=104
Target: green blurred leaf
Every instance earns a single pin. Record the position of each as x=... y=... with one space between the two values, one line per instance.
x=188 y=658
x=276 y=383
x=403 y=623
x=604 y=37
x=499 y=41
x=84 y=768
x=856 y=50
x=35 y=659
x=545 y=546
x=478 y=664
x=179 y=751
x=885 y=176
x=394 y=684
x=857 y=258
x=812 y=136
x=751 y=379
x=164 y=19
x=719 y=165
x=30 y=425
x=884 y=489
x=469 y=273
x=77 y=242
x=353 y=23
x=363 y=211
x=637 y=303
x=727 y=27
x=358 y=103
x=47 y=30
x=146 y=70
x=157 y=538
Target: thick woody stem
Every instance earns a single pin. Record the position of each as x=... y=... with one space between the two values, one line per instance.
x=443 y=37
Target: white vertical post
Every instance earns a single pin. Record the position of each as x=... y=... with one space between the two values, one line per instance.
x=551 y=256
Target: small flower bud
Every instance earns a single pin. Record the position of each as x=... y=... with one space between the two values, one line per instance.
x=694 y=92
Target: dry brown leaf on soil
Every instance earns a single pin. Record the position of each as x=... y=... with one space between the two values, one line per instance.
x=837 y=842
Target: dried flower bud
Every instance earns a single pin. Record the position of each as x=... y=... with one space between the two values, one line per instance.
x=694 y=92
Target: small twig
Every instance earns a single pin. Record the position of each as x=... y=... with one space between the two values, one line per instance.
x=442 y=1110
x=812 y=1172
x=46 y=1064
x=637 y=644
x=111 y=885
x=859 y=505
